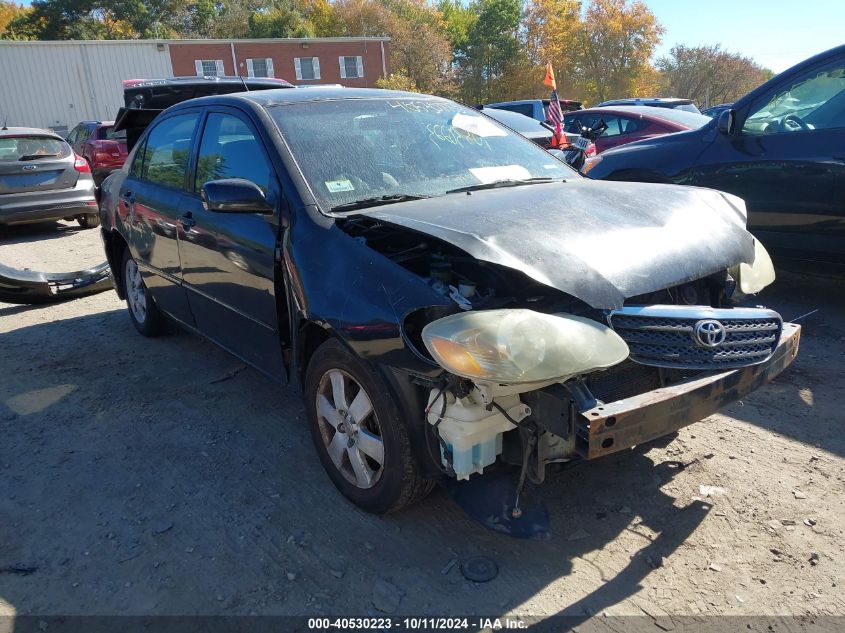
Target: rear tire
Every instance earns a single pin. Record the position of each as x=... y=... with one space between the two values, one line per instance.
x=145 y=316
x=360 y=436
x=88 y=220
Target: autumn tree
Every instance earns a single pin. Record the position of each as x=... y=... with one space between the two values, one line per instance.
x=615 y=41
x=12 y=17
x=419 y=47
x=550 y=30
x=709 y=75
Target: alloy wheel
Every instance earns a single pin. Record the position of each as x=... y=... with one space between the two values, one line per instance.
x=136 y=294
x=350 y=429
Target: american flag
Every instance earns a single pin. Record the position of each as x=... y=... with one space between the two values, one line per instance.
x=555 y=114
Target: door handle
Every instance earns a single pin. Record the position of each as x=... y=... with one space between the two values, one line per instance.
x=187 y=220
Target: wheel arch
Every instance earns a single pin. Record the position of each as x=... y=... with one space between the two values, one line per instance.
x=115 y=245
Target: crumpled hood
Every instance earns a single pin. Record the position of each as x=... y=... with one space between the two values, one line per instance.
x=601 y=242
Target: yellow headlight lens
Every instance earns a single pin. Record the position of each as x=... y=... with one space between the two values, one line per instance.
x=520 y=346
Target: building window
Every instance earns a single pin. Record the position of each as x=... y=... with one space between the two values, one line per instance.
x=260 y=67
x=209 y=67
x=351 y=67
x=307 y=68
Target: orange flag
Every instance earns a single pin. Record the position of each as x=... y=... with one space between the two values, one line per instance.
x=550 y=77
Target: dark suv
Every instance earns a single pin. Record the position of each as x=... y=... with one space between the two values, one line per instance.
x=781 y=148
x=42 y=178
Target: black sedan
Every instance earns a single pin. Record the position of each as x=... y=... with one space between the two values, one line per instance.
x=41 y=178
x=781 y=148
x=446 y=294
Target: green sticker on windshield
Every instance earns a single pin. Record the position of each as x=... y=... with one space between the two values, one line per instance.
x=336 y=186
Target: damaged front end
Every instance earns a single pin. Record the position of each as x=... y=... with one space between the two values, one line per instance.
x=573 y=389
x=31 y=287
x=533 y=376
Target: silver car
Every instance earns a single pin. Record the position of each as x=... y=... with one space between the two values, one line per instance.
x=41 y=178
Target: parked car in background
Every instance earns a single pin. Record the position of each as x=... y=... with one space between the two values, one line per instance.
x=538 y=131
x=98 y=143
x=446 y=294
x=42 y=178
x=657 y=102
x=534 y=108
x=716 y=110
x=781 y=148
x=626 y=124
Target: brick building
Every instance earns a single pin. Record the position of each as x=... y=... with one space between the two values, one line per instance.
x=81 y=80
x=350 y=61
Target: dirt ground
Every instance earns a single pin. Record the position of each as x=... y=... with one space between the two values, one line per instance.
x=161 y=477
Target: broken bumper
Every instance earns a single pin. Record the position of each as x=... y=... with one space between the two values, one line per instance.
x=615 y=426
x=26 y=286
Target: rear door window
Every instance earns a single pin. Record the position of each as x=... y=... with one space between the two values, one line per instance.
x=168 y=151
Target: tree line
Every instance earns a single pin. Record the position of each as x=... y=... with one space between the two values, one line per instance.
x=475 y=51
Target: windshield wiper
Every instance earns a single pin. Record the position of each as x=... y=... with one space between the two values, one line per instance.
x=34 y=156
x=377 y=201
x=505 y=183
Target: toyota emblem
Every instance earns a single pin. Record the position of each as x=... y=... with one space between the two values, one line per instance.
x=710 y=333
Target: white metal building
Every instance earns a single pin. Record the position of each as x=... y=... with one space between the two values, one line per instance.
x=57 y=84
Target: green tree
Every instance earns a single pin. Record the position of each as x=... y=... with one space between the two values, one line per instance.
x=282 y=18
x=492 y=46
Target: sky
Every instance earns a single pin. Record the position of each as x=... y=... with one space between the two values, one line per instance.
x=775 y=33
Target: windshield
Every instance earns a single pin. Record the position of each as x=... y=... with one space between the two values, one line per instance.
x=15 y=148
x=358 y=149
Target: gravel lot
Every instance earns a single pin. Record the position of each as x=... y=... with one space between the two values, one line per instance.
x=161 y=477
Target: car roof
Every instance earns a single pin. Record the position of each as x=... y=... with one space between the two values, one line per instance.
x=675 y=100
x=267 y=98
x=691 y=120
x=27 y=131
x=129 y=84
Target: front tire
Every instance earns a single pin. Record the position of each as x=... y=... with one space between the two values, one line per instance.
x=145 y=316
x=360 y=437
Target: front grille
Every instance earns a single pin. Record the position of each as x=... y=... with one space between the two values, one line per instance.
x=694 y=337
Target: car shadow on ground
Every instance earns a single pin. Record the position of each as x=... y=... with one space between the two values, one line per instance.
x=37 y=232
x=803 y=401
x=156 y=476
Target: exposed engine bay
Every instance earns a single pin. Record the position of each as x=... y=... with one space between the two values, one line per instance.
x=474 y=421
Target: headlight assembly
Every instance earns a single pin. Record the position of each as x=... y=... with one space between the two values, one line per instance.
x=759 y=274
x=521 y=346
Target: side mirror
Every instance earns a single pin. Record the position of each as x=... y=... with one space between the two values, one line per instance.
x=234 y=195
x=725 y=123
